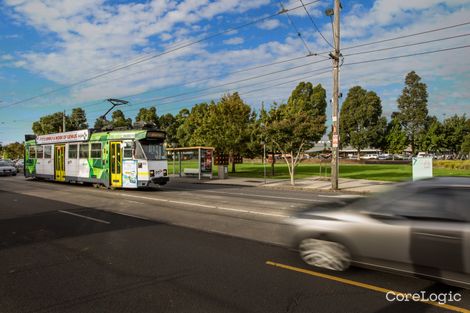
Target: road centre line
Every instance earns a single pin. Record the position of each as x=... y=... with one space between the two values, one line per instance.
x=363 y=285
x=84 y=216
x=254 y=195
x=204 y=205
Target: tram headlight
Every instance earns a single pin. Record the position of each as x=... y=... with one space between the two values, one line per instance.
x=165 y=172
x=152 y=173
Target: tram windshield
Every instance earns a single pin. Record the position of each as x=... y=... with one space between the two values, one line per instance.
x=150 y=150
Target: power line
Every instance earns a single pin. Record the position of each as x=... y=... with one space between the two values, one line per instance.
x=161 y=53
x=291 y=22
x=401 y=37
x=407 y=55
x=315 y=25
x=408 y=45
x=216 y=76
x=235 y=88
x=237 y=81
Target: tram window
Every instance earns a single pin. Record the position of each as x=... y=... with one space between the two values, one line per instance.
x=73 y=151
x=153 y=150
x=95 y=151
x=47 y=152
x=39 y=152
x=83 y=152
x=32 y=152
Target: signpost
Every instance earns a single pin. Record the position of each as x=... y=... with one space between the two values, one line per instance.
x=422 y=168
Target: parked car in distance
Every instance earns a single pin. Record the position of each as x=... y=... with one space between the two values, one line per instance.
x=420 y=228
x=6 y=169
x=369 y=157
x=384 y=156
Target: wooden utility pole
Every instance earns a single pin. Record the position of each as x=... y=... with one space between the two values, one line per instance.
x=63 y=121
x=335 y=112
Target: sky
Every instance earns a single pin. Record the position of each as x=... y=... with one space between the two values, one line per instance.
x=58 y=55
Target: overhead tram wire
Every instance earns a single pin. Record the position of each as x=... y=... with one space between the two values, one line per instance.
x=208 y=37
x=362 y=52
x=276 y=72
x=400 y=37
x=218 y=93
x=407 y=45
x=224 y=84
x=234 y=88
x=234 y=82
x=402 y=56
x=407 y=55
x=291 y=22
x=216 y=76
x=315 y=24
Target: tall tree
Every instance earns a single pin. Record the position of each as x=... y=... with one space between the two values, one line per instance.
x=396 y=138
x=192 y=132
x=148 y=116
x=432 y=138
x=49 y=124
x=77 y=120
x=13 y=151
x=102 y=123
x=360 y=123
x=465 y=146
x=297 y=125
x=227 y=126
x=455 y=128
x=120 y=120
x=413 y=106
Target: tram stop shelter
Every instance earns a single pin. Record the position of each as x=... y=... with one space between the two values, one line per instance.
x=192 y=161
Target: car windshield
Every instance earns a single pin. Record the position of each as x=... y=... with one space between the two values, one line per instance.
x=151 y=150
x=3 y=163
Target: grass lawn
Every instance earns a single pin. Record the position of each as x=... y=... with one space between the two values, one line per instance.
x=385 y=172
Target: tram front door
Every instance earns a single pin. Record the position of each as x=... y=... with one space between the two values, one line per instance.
x=59 y=162
x=115 y=162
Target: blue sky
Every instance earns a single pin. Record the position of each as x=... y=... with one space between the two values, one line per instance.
x=46 y=45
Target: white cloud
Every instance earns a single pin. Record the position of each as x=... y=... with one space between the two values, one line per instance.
x=234 y=41
x=269 y=24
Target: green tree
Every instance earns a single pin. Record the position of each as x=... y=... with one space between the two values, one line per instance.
x=13 y=151
x=170 y=123
x=102 y=123
x=465 y=146
x=361 y=125
x=120 y=120
x=49 y=124
x=227 y=126
x=77 y=120
x=297 y=125
x=192 y=131
x=433 y=138
x=413 y=106
x=148 y=116
x=455 y=128
x=396 y=138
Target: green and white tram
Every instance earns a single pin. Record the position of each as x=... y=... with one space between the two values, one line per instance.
x=118 y=159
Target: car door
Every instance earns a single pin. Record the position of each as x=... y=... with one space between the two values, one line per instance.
x=440 y=231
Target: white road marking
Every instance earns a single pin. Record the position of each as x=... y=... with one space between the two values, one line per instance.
x=341 y=196
x=205 y=206
x=255 y=195
x=87 y=217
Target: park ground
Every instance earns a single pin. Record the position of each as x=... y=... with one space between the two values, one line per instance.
x=382 y=172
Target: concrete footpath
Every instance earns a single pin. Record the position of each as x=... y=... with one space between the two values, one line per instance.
x=359 y=186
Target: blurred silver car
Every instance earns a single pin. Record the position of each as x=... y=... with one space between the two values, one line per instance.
x=7 y=169
x=420 y=228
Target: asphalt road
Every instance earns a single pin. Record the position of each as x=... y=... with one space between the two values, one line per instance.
x=185 y=248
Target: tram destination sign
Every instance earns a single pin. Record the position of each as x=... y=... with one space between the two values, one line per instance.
x=76 y=135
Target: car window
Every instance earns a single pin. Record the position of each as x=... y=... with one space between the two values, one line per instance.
x=433 y=203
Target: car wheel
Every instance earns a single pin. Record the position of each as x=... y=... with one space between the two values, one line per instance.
x=325 y=254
